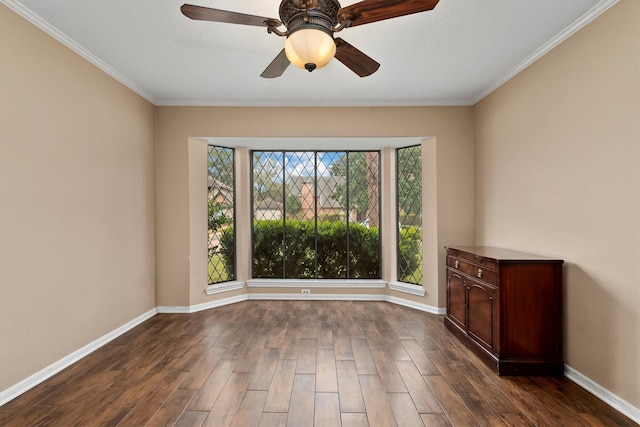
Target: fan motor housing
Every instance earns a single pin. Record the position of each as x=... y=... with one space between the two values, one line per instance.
x=322 y=14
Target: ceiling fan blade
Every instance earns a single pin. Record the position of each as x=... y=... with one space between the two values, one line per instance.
x=368 y=11
x=200 y=13
x=354 y=59
x=277 y=66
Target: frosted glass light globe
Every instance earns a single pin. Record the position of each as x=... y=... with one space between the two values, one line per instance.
x=309 y=48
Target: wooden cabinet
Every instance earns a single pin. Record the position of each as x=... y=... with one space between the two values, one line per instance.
x=507 y=307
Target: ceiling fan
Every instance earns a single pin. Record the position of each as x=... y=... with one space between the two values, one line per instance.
x=309 y=28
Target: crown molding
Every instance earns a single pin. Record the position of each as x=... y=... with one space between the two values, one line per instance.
x=576 y=25
x=30 y=16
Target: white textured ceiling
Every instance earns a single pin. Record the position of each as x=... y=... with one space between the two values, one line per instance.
x=453 y=55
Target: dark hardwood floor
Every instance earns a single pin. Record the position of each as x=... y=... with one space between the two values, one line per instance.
x=298 y=363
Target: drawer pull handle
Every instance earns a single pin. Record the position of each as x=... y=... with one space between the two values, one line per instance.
x=456 y=264
x=480 y=273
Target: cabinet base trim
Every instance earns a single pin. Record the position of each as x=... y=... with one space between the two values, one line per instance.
x=507 y=367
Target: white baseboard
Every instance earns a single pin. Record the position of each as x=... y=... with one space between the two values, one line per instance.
x=416 y=305
x=603 y=394
x=182 y=309
x=46 y=373
x=318 y=297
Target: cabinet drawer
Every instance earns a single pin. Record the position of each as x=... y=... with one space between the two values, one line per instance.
x=478 y=271
x=489 y=263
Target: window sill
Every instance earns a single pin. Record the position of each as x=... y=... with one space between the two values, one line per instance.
x=320 y=283
x=407 y=288
x=224 y=287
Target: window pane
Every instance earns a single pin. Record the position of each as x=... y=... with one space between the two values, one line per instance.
x=303 y=226
x=364 y=250
x=221 y=230
x=332 y=216
x=299 y=235
x=409 y=191
x=268 y=206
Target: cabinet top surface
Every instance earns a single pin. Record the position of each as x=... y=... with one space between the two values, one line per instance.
x=501 y=254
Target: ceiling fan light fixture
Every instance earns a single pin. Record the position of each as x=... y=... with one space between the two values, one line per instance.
x=310 y=48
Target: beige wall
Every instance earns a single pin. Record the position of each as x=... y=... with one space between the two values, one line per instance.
x=77 y=204
x=451 y=127
x=558 y=173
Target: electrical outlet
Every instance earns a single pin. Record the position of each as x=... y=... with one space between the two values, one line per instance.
x=305 y=291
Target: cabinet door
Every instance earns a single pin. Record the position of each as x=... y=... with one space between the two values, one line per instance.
x=481 y=313
x=457 y=299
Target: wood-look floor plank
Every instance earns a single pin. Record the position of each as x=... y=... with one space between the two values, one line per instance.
x=325 y=337
x=301 y=405
x=389 y=375
x=249 y=359
x=11 y=410
x=171 y=409
x=273 y=419
x=516 y=420
x=420 y=392
x=342 y=345
x=362 y=356
x=453 y=406
x=225 y=407
x=307 y=356
x=379 y=410
x=291 y=346
x=326 y=375
x=37 y=415
x=492 y=420
x=349 y=390
x=250 y=409
x=281 y=385
x=551 y=403
x=151 y=402
x=437 y=420
x=195 y=354
x=419 y=357
x=468 y=383
x=277 y=336
x=263 y=374
x=404 y=410
x=354 y=419
x=327 y=410
x=210 y=390
x=531 y=408
x=394 y=347
x=199 y=373
x=76 y=413
x=90 y=384
x=191 y=419
x=564 y=393
x=482 y=401
x=375 y=339
x=112 y=414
